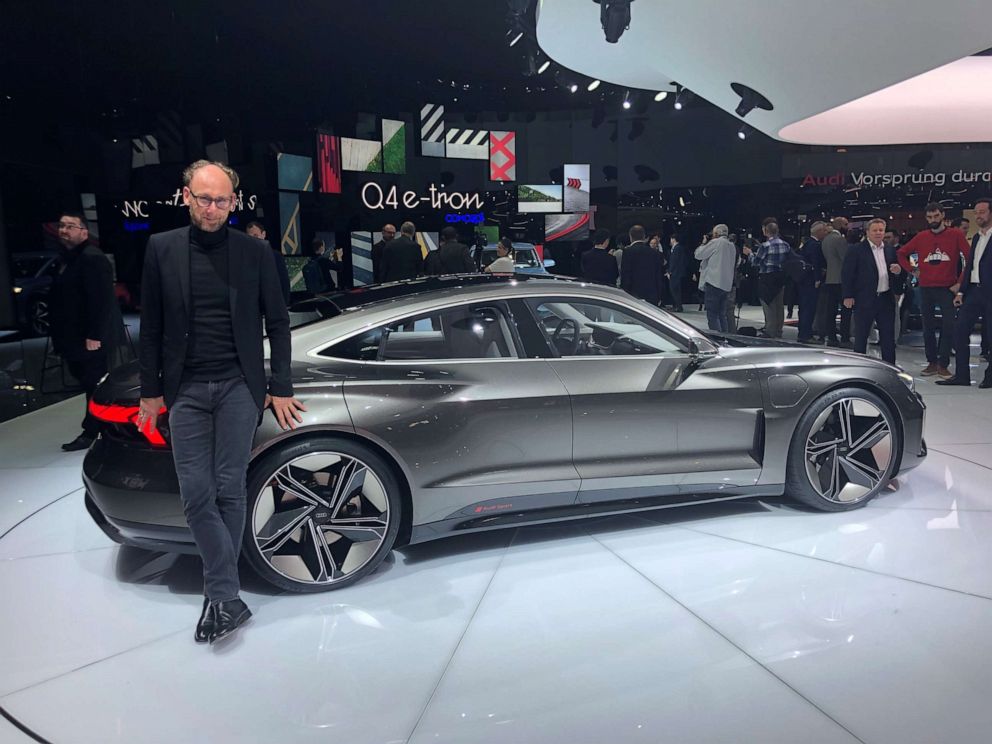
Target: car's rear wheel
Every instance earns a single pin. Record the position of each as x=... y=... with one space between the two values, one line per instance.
x=322 y=513
x=843 y=452
x=38 y=320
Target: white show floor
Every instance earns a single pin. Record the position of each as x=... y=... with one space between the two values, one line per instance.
x=745 y=622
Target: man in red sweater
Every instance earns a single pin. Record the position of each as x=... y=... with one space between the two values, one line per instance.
x=940 y=251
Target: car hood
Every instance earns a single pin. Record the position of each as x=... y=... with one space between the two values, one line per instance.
x=768 y=350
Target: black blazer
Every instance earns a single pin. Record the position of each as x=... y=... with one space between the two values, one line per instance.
x=165 y=315
x=599 y=265
x=641 y=267
x=984 y=270
x=455 y=258
x=859 y=276
x=81 y=301
x=402 y=258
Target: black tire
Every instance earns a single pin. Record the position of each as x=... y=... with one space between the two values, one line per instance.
x=357 y=523
x=813 y=456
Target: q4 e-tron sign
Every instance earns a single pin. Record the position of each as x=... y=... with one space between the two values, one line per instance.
x=374 y=197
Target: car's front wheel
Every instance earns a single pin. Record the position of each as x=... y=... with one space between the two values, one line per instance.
x=323 y=512
x=843 y=452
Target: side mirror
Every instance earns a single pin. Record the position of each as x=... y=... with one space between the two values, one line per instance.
x=693 y=348
x=549 y=263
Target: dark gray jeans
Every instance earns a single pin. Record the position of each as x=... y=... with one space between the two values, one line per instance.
x=213 y=424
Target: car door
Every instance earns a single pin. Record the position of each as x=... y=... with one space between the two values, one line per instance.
x=480 y=428
x=649 y=418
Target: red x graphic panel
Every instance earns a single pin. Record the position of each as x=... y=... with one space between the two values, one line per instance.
x=502 y=156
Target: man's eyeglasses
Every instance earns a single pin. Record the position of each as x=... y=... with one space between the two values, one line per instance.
x=67 y=226
x=222 y=202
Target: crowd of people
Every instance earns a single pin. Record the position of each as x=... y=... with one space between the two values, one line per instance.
x=847 y=282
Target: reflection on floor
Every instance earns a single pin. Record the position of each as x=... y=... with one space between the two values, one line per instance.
x=750 y=622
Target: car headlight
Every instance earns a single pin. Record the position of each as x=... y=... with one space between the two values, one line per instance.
x=908 y=381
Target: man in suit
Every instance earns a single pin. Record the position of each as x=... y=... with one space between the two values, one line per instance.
x=974 y=297
x=388 y=233
x=834 y=247
x=812 y=279
x=869 y=282
x=451 y=257
x=204 y=291
x=597 y=264
x=641 y=268
x=403 y=258
x=678 y=268
x=84 y=320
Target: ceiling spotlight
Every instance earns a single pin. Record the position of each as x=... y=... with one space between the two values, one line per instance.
x=661 y=96
x=516 y=37
x=573 y=87
x=614 y=15
x=544 y=67
x=750 y=100
x=626 y=101
x=742 y=132
x=592 y=86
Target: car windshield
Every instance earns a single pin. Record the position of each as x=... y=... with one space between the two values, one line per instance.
x=27 y=267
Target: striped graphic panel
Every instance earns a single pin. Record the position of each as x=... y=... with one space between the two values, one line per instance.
x=432 y=130
x=361 y=258
x=393 y=146
x=144 y=151
x=328 y=163
x=428 y=242
x=471 y=144
x=89 y=209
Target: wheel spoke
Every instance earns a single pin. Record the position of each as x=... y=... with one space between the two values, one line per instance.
x=285 y=524
x=291 y=485
x=870 y=438
x=358 y=530
x=352 y=476
x=328 y=566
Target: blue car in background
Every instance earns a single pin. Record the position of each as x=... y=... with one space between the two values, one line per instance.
x=525 y=259
x=32 y=274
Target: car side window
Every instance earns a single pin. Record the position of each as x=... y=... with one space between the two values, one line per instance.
x=577 y=328
x=479 y=331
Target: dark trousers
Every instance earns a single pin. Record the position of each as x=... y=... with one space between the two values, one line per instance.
x=934 y=299
x=675 y=284
x=827 y=300
x=715 y=301
x=213 y=424
x=975 y=307
x=807 y=309
x=88 y=367
x=879 y=311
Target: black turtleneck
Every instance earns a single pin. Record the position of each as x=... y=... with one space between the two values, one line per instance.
x=211 y=353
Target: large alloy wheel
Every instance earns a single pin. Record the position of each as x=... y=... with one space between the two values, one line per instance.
x=322 y=514
x=844 y=451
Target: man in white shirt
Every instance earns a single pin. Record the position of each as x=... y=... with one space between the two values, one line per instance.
x=974 y=297
x=868 y=280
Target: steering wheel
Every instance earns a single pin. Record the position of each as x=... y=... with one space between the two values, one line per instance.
x=573 y=343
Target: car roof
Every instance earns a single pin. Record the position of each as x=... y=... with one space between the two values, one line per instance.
x=334 y=303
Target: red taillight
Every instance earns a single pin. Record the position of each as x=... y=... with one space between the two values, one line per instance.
x=116 y=414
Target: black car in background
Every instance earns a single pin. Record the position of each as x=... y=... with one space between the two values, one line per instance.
x=32 y=274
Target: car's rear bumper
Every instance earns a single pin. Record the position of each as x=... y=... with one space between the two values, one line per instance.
x=132 y=493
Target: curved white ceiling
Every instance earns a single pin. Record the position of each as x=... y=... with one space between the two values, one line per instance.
x=808 y=58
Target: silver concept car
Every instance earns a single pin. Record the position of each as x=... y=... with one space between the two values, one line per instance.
x=453 y=404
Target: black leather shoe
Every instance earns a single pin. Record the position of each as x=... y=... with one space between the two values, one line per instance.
x=205 y=625
x=228 y=617
x=986 y=383
x=953 y=381
x=83 y=441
